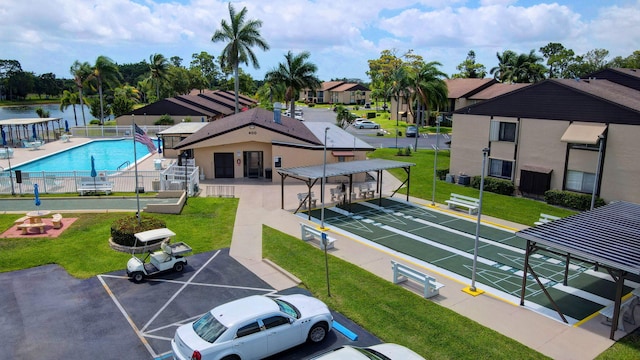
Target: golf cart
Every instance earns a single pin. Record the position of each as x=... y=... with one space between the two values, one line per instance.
x=169 y=257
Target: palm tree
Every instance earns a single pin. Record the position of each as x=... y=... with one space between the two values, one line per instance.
x=103 y=72
x=80 y=72
x=159 y=66
x=505 y=66
x=70 y=99
x=296 y=74
x=240 y=36
x=429 y=86
x=400 y=83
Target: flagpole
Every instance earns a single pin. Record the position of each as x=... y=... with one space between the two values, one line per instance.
x=135 y=161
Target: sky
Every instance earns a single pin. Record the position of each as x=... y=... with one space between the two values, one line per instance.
x=340 y=35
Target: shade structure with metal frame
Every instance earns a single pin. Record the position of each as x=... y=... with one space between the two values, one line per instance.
x=608 y=236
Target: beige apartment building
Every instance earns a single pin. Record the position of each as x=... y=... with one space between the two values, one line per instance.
x=257 y=142
x=576 y=135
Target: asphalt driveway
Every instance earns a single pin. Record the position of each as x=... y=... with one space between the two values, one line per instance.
x=48 y=314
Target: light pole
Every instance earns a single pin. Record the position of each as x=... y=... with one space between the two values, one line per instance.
x=324 y=172
x=472 y=288
x=186 y=181
x=435 y=160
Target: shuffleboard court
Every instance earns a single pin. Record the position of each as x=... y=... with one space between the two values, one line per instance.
x=445 y=242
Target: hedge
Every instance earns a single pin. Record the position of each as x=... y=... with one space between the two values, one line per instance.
x=570 y=199
x=494 y=185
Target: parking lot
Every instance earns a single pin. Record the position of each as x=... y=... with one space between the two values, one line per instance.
x=47 y=313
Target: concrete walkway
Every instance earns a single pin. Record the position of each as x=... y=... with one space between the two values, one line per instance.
x=260 y=204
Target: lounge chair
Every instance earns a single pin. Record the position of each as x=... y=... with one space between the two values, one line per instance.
x=51 y=182
x=33 y=145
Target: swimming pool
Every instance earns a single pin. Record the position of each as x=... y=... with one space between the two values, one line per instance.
x=108 y=155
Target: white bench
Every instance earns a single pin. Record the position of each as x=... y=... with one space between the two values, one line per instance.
x=309 y=233
x=90 y=185
x=56 y=219
x=627 y=310
x=457 y=200
x=366 y=190
x=303 y=198
x=26 y=226
x=546 y=218
x=402 y=273
x=21 y=220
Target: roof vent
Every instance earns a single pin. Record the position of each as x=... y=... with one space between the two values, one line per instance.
x=277 y=108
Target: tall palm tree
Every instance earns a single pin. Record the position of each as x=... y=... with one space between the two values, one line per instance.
x=159 y=66
x=80 y=72
x=240 y=35
x=399 y=86
x=505 y=66
x=104 y=71
x=70 y=99
x=295 y=74
x=429 y=86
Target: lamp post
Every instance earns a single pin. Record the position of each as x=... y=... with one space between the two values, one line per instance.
x=472 y=288
x=435 y=160
x=595 y=181
x=186 y=181
x=324 y=172
x=13 y=191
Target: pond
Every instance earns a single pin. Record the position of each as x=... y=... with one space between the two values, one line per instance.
x=29 y=111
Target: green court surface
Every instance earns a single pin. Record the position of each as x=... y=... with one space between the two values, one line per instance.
x=446 y=244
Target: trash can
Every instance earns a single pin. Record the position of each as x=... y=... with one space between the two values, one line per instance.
x=268 y=173
x=157 y=164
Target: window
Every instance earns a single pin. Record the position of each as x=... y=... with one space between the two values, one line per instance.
x=248 y=329
x=580 y=181
x=277 y=161
x=500 y=168
x=503 y=131
x=274 y=321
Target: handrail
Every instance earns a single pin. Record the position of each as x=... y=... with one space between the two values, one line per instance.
x=124 y=164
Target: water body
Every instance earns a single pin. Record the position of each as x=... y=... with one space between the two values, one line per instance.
x=29 y=111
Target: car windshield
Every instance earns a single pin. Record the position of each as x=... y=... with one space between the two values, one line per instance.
x=287 y=308
x=208 y=328
x=372 y=354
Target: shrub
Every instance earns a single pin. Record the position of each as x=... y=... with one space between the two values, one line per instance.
x=570 y=199
x=164 y=120
x=311 y=104
x=399 y=153
x=407 y=151
x=123 y=229
x=94 y=122
x=442 y=174
x=371 y=115
x=494 y=185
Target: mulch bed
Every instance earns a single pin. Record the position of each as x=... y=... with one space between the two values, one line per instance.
x=49 y=231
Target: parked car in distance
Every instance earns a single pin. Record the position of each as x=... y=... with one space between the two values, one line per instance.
x=365 y=124
x=375 y=352
x=253 y=327
x=412 y=131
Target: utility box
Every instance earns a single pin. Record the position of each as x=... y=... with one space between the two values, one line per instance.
x=464 y=180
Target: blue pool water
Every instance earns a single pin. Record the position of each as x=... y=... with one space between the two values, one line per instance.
x=108 y=155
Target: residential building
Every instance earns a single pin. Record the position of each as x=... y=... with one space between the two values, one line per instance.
x=579 y=135
x=338 y=92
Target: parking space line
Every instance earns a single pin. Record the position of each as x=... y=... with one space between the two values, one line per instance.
x=126 y=316
x=179 y=291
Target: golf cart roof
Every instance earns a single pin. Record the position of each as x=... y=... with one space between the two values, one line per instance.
x=154 y=234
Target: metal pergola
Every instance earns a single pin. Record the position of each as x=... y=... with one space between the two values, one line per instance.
x=311 y=174
x=608 y=237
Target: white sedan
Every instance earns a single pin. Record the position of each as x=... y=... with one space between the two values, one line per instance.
x=376 y=352
x=253 y=328
x=365 y=124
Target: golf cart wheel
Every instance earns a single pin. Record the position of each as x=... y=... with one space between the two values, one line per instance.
x=137 y=277
x=178 y=267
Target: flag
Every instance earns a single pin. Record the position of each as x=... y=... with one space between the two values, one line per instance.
x=141 y=137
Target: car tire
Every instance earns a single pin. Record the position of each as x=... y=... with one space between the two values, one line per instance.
x=376 y=127
x=178 y=267
x=361 y=127
x=317 y=333
x=231 y=357
x=137 y=277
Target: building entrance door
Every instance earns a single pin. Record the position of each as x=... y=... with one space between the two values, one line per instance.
x=253 y=164
x=223 y=165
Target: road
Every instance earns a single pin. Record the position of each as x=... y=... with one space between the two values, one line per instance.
x=369 y=135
